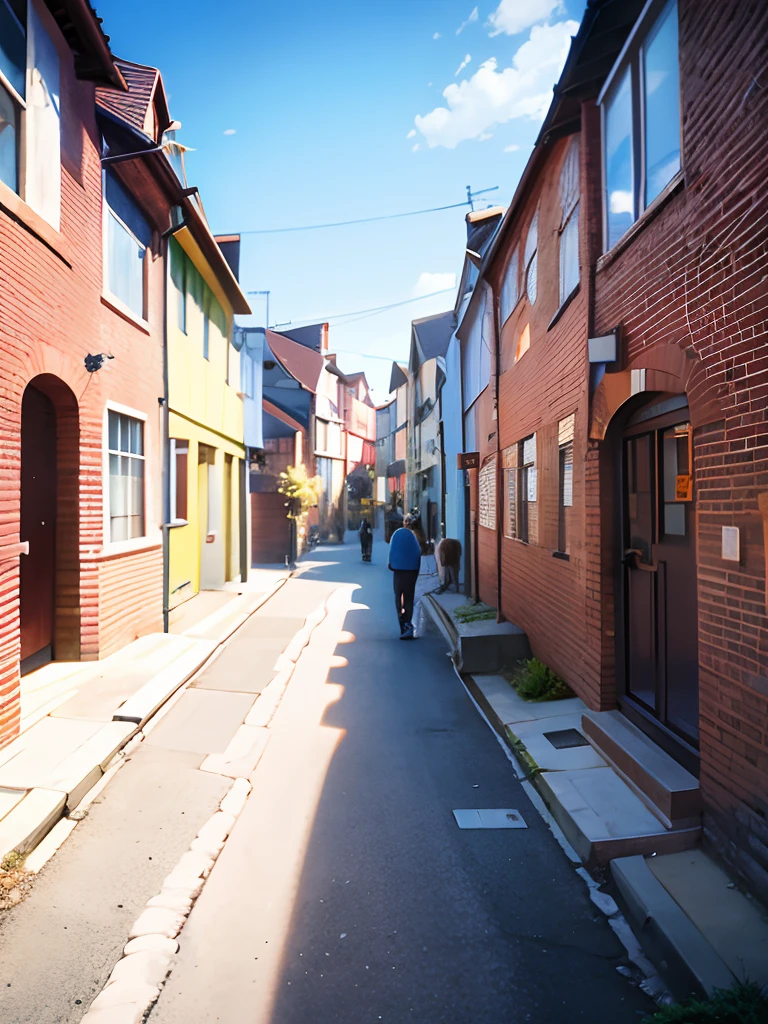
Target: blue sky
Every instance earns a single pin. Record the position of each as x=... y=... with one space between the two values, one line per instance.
x=304 y=113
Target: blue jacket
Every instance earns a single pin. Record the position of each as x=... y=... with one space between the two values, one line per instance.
x=404 y=550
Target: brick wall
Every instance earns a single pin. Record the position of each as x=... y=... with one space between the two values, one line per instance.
x=693 y=277
x=51 y=316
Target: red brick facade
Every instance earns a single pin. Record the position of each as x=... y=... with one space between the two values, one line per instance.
x=687 y=287
x=53 y=314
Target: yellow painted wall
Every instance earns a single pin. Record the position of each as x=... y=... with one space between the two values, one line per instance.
x=204 y=409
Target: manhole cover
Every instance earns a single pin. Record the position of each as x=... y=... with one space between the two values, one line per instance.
x=489 y=818
x=563 y=739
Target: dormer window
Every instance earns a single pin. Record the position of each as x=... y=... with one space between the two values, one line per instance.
x=569 y=221
x=641 y=121
x=510 y=287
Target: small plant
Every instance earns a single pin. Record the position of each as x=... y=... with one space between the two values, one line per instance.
x=474 y=612
x=12 y=861
x=745 y=1003
x=296 y=485
x=535 y=682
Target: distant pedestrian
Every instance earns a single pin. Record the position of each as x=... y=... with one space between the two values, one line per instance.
x=366 y=540
x=405 y=562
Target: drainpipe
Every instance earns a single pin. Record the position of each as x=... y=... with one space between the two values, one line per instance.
x=168 y=523
x=499 y=473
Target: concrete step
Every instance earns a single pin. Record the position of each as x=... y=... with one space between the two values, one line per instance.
x=479 y=647
x=670 y=791
x=603 y=818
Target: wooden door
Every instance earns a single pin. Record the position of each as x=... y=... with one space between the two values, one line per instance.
x=659 y=575
x=270 y=528
x=228 y=572
x=38 y=526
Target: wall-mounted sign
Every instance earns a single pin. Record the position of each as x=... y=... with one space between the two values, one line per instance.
x=730 y=544
x=683 y=487
x=468 y=460
x=487 y=494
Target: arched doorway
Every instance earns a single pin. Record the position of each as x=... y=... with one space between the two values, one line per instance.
x=49 y=584
x=657 y=613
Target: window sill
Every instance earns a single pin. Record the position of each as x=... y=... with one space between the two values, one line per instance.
x=563 y=555
x=113 y=303
x=563 y=306
x=24 y=215
x=676 y=185
x=119 y=548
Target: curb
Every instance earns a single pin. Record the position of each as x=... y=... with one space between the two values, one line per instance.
x=40 y=811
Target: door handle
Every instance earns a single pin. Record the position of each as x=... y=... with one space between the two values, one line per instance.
x=630 y=557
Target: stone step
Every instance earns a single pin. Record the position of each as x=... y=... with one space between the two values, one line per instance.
x=603 y=818
x=670 y=791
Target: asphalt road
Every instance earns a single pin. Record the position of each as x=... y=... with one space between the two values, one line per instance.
x=346 y=892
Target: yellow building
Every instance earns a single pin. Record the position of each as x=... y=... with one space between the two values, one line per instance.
x=207 y=541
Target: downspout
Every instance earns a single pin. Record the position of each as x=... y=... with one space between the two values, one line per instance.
x=168 y=523
x=499 y=473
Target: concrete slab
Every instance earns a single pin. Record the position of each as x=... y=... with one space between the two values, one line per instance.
x=688 y=962
x=243 y=753
x=270 y=627
x=510 y=707
x=144 y=703
x=734 y=926
x=246 y=667
x=603 y=818
x=31 y=820
x=9 y=798
x=223 y=623
x=189 y=614
x=548 y=757
x=480 y=647
x=203 y=722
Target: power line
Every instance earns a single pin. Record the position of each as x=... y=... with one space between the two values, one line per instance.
x=469 y=201
x=359 y=313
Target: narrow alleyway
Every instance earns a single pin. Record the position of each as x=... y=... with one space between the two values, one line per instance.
x=346 y=892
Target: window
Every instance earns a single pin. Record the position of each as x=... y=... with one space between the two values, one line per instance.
x=126 y=476
x=565 y=429
x=530 y=259
x=179 y=478
x=30 y=153
x=676 y=470
x=523 y=342
x=520 y=491
x=569 y=223
x=179 y=274
x=127 y=236
x=510 y=288
x=206 y=335
x=641 y=122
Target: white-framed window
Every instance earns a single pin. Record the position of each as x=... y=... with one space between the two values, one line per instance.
x=530 y=259
x=565 y=432
x=521 y=491
x=510 y=286
x=30 y=110
x=569 y=221
x=127 y=239
x=179 y=479
x=640 y=106
x=125 y=451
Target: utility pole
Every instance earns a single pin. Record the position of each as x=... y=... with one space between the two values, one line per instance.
x=471 y=196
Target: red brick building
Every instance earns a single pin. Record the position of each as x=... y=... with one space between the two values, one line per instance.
x=631 y=532
x=83 y=274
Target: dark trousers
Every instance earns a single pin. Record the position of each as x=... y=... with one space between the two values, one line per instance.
x=405 y=585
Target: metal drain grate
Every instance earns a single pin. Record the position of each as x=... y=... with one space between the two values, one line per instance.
x=489 y=818
x=564 y=739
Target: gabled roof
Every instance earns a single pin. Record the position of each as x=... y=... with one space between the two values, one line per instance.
x=398 y=377
x=81 y=28
x=430 y=338
x=144 y=96
x=302 y=363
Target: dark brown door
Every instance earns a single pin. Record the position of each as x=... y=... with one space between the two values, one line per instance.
x=270 y=528
x=659 y=575
x=38 y=526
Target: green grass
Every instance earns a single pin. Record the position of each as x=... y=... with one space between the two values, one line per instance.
x=474 y=612
x=535 y=682
x=743 y=1004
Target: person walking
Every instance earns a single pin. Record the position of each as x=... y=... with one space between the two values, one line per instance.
x=366 y=540
x=405 y=562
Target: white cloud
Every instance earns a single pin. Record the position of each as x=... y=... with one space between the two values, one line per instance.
x=492 y=96
x=513 y=16
x=463 y=64
x=429 y=85
x=230 y=131
x=485 y=136
x=472 y=17
x=511 y=148
x=429 y=283
x=621 y=202
x=415 y=148
x=436 y=35
x=411 y=134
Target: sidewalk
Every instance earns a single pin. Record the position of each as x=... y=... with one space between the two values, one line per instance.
x=624 y=805
x=78 y=717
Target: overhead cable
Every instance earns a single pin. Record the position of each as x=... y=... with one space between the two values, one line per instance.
x=360 y=314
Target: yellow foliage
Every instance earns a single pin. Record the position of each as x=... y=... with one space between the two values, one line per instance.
x=298 y=486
